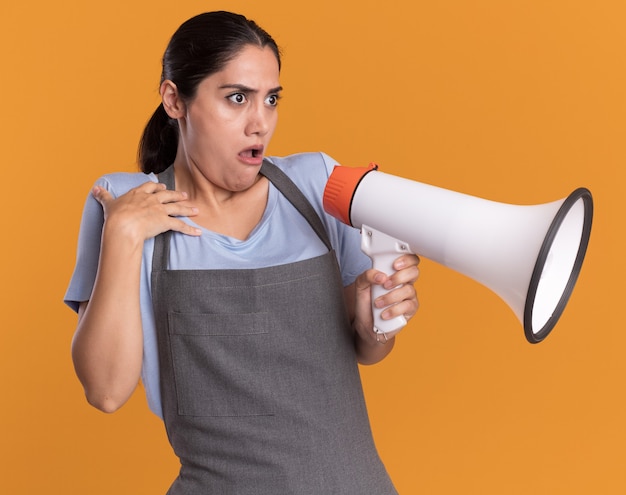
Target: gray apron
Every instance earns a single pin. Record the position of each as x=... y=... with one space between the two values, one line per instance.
x=260 y=385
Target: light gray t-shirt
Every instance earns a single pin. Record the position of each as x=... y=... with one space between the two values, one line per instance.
x=282 y=236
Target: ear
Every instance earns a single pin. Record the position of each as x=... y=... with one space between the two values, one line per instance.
x=172 y=102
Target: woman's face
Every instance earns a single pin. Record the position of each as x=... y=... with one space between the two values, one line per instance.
x=228 y=125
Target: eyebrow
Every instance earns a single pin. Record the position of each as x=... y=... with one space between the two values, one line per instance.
x=246 y=89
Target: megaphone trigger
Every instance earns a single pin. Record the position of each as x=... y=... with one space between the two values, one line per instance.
x=383 y=251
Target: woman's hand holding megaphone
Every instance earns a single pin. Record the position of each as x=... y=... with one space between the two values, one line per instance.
x=381 y=297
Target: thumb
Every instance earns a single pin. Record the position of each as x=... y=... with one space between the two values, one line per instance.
x=368 y=278
x=101 y=194
x=364 y=282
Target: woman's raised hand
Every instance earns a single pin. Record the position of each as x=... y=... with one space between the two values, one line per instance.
x=146 y=211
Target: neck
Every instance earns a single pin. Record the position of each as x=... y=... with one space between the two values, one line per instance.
x=234 y=213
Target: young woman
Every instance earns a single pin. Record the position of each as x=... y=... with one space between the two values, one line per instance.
x=216 y=277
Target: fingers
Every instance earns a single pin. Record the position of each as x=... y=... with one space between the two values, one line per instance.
x=401 y=301
x=407 y=271
x=406 y=261
x=170 y=199
x=175 y=209
x=168 y=196
x=401 y=298
x=147 y=210
x=151 y=187
x=159 y=191
x=101 y=194
x=178 y=225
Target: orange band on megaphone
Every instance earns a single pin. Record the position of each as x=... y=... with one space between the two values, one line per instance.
x=340 y=189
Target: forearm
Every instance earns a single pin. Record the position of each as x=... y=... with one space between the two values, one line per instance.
x=108 y=344
x=371 y=351
x=107 y=347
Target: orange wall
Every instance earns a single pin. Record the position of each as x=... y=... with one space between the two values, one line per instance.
x=516 y=101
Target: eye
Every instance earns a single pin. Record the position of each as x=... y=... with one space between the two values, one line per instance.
x=272 y=100
x=238 y=98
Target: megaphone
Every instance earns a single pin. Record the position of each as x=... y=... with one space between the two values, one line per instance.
x=530 y=256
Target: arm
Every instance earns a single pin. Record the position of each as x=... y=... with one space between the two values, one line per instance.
x=402 y=300
x=108 y=344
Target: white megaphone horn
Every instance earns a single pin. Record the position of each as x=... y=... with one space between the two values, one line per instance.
x=529 y=255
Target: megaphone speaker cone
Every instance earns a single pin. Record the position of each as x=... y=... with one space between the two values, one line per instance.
x=558 y=265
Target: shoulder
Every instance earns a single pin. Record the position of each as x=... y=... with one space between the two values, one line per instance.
x=119 y=183
x=305 y=164
x=307 y=170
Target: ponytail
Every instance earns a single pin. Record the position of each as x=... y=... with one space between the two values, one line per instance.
x=159 y=142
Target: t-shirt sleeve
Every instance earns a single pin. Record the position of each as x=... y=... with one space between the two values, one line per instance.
x=87 y=253
x=90 y=234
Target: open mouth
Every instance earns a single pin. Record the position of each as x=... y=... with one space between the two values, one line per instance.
x=253 y=152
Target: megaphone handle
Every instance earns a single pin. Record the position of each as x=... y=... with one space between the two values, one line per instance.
x=383 y=251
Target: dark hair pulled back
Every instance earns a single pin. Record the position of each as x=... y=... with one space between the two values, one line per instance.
x=200 y=47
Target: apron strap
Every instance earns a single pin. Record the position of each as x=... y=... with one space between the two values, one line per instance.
x=161 y=253
x=286 y=186
x=277 y=177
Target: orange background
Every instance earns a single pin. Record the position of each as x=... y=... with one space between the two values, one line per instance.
x=516 y=101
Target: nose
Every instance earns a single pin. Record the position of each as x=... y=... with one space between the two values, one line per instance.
x=259 y=121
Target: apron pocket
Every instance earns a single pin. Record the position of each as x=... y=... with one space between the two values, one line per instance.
x=221 y=364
